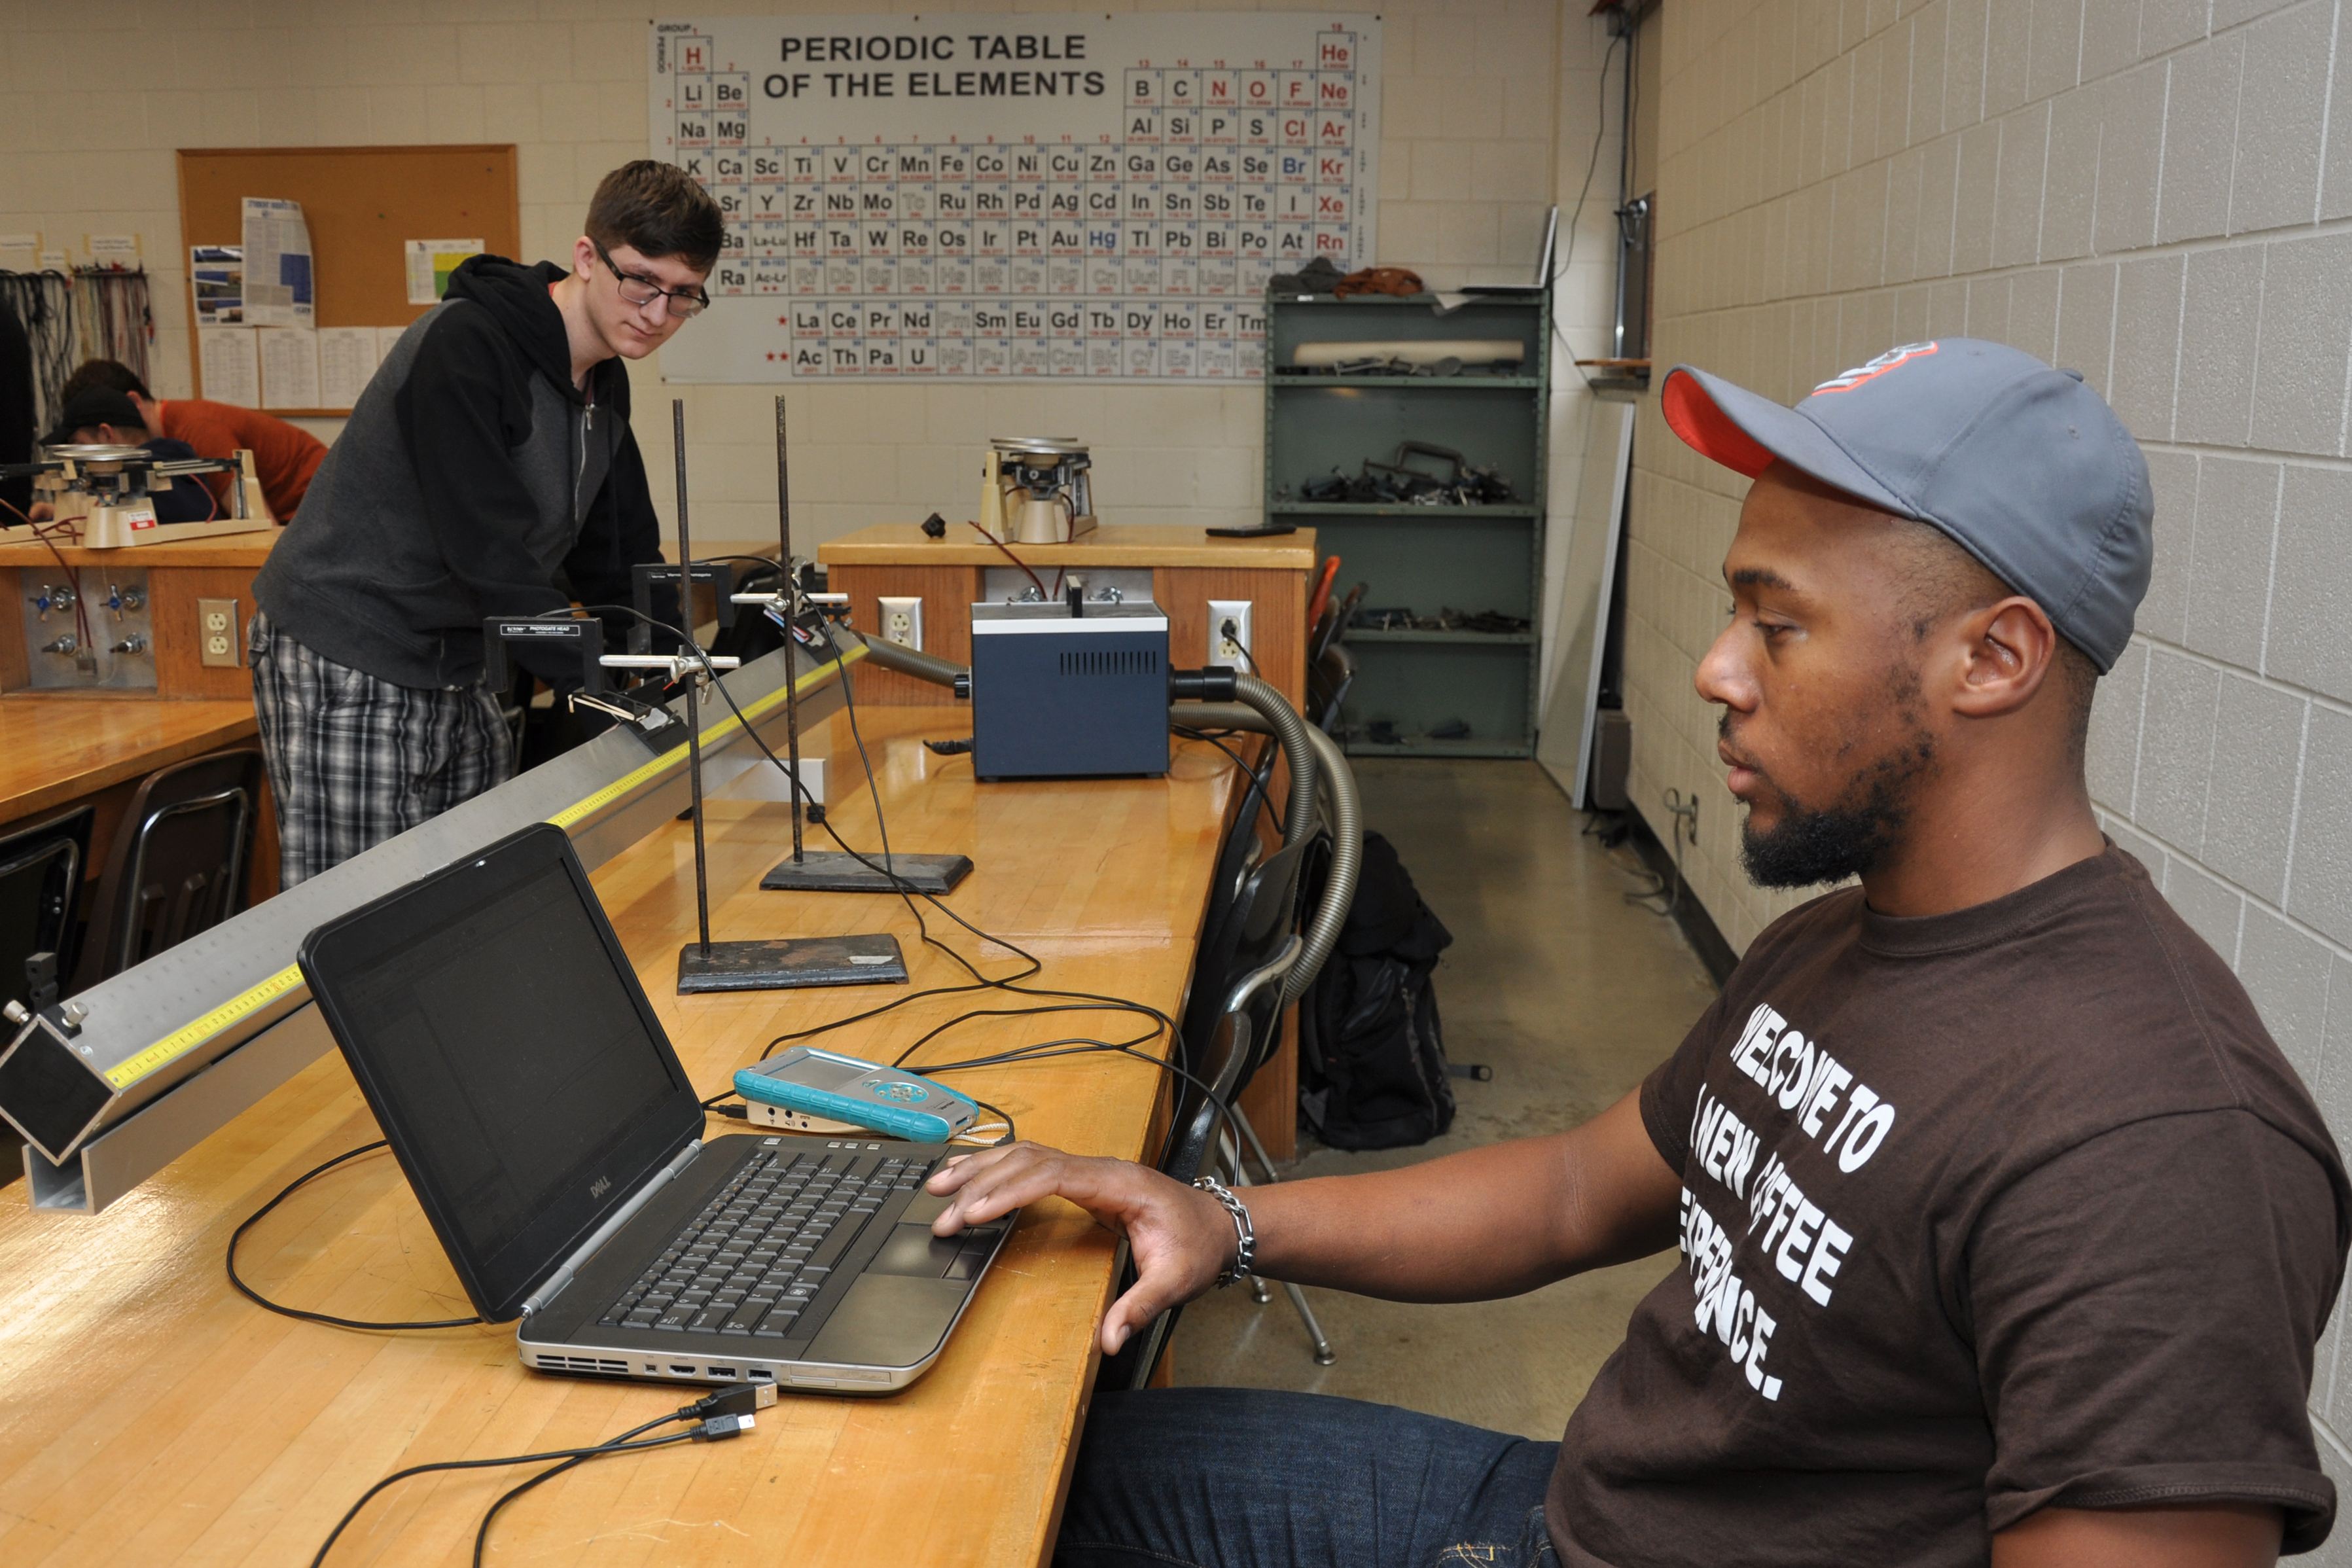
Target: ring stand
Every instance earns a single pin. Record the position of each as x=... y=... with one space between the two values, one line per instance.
x=770 y=963
x=830 y=870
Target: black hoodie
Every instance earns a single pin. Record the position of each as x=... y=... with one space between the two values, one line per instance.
x=472 y=480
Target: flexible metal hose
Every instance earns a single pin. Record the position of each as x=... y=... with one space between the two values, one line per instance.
x=906 y=661
x=1318 y=767
x=1342 y=811
x=1283 y=722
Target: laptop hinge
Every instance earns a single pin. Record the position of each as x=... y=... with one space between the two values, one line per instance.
x=556 y=1281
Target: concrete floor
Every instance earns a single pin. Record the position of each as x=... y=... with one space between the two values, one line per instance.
x=1572 y=996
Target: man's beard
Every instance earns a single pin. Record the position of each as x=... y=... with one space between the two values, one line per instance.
x=1809 y=845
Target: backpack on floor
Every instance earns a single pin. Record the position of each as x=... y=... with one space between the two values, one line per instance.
x=1371 y=1058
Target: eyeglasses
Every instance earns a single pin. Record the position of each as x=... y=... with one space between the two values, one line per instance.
x=638 y=289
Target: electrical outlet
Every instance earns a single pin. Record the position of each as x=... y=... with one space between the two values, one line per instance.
x=216 y=634
x=902 y=622
x=1231 y=648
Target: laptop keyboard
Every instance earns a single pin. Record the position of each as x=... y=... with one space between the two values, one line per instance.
x=764 y=1245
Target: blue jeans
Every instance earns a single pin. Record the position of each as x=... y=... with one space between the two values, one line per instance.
x=1233 y=1477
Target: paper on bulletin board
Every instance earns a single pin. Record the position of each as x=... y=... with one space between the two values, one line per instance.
x=290 y=368
x=216 y=273
x=230 y=360
x=347 y=362
x=430 y=262
x=278 y=291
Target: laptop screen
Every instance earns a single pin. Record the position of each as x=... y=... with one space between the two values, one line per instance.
x=512 y=1060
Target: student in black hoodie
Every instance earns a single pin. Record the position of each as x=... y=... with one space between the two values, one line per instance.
x=488 y=469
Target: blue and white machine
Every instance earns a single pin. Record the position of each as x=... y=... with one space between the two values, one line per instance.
x=1069 y=688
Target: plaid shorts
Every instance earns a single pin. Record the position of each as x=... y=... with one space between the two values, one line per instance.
x=353 y=760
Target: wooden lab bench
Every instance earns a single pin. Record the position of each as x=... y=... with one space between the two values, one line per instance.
x=1184 y=569
x=155 y=1416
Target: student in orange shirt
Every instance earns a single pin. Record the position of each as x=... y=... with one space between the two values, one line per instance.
x=284 y=455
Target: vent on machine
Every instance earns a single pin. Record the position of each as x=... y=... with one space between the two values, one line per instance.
x=1125 y=661
x=580 y=1363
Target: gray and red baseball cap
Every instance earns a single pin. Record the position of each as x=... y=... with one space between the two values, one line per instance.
x=2022 y=466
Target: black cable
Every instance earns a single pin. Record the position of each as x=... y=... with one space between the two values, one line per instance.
x=907 y=892
x=1568 y=252
x=725 y=1412
x=1265 y=796
x=259 y=1299
x=482 y=1536
x=1060 y=1000
x=595 y=1451
x=1047 y=1049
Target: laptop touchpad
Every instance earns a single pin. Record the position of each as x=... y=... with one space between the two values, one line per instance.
x=888 y=1322
x=913 y=1249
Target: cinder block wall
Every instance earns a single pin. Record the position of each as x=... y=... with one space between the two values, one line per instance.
x=1473 y=93
x=2153 y=192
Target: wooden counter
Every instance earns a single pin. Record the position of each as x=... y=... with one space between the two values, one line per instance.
x=177 y=575
x=153 y=1416
x=1113 y=544
x=54 y=750
x=60 y=749
x=1189 y=567
x=245 y=550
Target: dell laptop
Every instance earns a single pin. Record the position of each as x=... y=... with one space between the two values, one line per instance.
x=552 y=1137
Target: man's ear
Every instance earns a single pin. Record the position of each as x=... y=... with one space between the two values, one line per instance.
x=584 y=258
x=2011 y=647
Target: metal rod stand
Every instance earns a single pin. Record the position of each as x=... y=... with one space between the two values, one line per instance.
x=693 y=678
x=792 y=624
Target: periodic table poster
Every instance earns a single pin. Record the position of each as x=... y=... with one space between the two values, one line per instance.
x=971 y=196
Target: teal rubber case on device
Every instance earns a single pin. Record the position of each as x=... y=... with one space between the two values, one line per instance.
x=844 y=1089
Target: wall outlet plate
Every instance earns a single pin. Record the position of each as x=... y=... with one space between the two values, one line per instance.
x=1229 y=650
x=902 y=621
x=217 y=639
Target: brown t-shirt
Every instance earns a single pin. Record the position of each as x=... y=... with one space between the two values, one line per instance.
x=284 y=455
x=1982 y=1212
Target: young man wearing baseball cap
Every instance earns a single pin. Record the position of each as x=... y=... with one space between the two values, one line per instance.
x=2007 y=1234
x=488 y=469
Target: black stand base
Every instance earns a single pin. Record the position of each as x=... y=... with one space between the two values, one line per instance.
x=787 y=962
x=830 y=871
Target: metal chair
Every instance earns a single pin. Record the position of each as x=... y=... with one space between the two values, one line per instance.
x=1230 y=1028
x=178 y=863
x=40 y=890
x=1327 y=686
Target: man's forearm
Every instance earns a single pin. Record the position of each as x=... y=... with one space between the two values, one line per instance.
x=1485 y=1223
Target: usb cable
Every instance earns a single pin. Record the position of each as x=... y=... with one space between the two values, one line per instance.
x=726 y=1412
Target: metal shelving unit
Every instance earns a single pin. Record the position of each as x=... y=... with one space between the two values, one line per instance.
x=1421 y=558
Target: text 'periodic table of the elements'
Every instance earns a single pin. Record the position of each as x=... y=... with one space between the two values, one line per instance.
x=972 y=197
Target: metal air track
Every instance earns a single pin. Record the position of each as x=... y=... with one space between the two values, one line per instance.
x=177 y=1046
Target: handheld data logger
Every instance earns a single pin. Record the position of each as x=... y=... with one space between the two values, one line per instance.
x=823 y=1084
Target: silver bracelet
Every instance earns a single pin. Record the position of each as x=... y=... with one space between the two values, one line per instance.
x=1245 y=1237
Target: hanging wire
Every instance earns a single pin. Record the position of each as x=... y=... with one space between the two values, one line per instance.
x=114 y=316
x=44 y=303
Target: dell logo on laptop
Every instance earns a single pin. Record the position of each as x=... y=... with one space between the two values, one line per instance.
x=602 y=1185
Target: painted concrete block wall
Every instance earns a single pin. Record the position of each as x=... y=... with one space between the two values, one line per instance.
x=2153 y=192
x=95 y=101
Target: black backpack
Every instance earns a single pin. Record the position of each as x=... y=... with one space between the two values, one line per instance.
x=1372 y=1059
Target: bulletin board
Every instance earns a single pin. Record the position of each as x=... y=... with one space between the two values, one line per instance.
x=362 y=206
